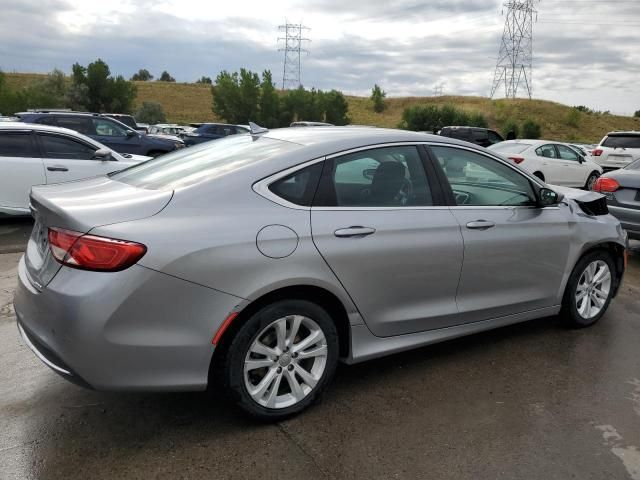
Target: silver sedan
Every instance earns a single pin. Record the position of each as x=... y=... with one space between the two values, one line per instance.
x=255 y=263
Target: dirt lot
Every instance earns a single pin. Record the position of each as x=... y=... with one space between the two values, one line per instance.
x=529 y=401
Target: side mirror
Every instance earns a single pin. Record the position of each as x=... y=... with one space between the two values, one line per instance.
x=131 y=133
x=549 y=198
x=581 y=159
x=103 y=154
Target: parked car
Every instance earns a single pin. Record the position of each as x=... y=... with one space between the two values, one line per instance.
x=583 y=150
x=622 y=191
x=211 y=131
x=166 y=129
x=310 y=124
x=617 y=150
x=106 y=130
x=552 y=162
x=40 y=154
x=291 y=249
x=128 y=120
x=480 y=136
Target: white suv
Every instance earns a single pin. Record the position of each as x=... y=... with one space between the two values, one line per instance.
x=33 y=154
x=617 y=150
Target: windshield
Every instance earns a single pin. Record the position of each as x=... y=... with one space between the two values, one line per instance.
x=633 y=165
x=201 y=163
x=622 y=141
x=509 y=147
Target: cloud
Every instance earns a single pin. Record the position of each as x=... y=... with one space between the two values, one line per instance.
x=407 y=46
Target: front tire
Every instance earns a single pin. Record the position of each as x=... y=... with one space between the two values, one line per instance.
x=589 y=290
x=281 y=359
x=593 y=176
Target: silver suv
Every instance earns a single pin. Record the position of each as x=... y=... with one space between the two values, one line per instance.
x=617 y=150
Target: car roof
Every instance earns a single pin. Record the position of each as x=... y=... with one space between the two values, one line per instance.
x=631 y=132
x=342 y=138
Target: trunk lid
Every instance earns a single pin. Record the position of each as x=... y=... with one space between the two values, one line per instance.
x=81 y=206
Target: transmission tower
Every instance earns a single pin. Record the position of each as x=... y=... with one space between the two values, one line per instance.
x=438 y=90
x=515 y=58
x=293 y=43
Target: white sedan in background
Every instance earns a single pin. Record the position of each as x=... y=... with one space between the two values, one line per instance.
x=33 y=154
x=553 y=162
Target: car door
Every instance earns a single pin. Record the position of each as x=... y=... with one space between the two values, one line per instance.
x=549 y=164
x=66 y=158
x=116 y=136
x=21 y=168
x=381 y=227
x=515 y=252
x=572 y=169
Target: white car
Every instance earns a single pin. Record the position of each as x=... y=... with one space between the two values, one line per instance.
x=617 y=150
x=552 y=162
x=33 y=154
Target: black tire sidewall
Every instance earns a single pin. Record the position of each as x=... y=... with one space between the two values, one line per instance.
x=233 y=368
x=570 y=310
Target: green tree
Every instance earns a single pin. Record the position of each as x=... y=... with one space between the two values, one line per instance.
x=336 y=108
x=531 y=130
x=205 y=80
x=377 y=97
x=100 y=91
x=249 y=84
x=143 y=75
x=637 y=114
x=151 y=113
x=431 y=118
x=226 y=95
x=49 y=92
x=511 y=130
x=269 y=102
x=166 y=77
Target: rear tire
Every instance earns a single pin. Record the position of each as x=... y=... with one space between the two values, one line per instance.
x=589 y=290
x=281 y=359
x=593 y=176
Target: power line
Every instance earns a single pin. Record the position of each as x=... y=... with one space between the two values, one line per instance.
x=515 y=58
x=293 y=41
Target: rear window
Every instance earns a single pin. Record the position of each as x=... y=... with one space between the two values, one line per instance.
x=510 y=147
x=299 y=187
x=622 y=141
x=202 y=163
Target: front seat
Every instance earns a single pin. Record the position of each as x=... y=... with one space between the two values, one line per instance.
x=387 y=183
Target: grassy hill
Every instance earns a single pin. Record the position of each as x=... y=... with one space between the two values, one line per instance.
x=190 y=102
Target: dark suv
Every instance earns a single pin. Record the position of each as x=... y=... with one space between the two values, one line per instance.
x=480 y=136
x=112 y=133
x=211 y=131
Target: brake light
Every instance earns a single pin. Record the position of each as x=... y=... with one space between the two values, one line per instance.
x=597 y=152
x=517 y=160
x=605 y=184
x=91 y=252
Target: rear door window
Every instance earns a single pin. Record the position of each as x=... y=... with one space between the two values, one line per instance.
x=547 y=151
x=622 y=141
x=79 y=124
x=16 y=144
x=300 y=186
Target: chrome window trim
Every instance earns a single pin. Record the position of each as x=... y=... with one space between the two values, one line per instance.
x=261 y=187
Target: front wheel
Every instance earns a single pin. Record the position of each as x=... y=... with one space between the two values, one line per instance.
x=589 y=290
x=281 y=359
x=591 y=181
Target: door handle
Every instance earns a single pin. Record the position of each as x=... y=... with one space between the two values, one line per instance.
x=480 y=225
x=354 y=232
x=58 y=168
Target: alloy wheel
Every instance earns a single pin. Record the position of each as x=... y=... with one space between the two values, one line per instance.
x=593 y=289
x=285 y=361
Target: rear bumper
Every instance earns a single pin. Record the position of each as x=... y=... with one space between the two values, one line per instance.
x=132 y=330
x=629 y=219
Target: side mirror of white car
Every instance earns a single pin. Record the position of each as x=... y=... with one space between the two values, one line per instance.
x=103 y=154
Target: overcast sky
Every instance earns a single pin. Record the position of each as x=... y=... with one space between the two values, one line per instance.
x=585 y=51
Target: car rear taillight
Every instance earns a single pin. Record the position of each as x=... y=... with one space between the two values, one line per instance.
x=597 y=152
x=605 y=184
x=516 y=159
x=90 y=252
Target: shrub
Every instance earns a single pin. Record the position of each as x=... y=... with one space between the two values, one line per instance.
x=573 y=117
x=432 y=118
x=166 y=77
x=377 y=97
x=143 y=75
x=510 y=130
x=151 y=113
x=531 y=129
